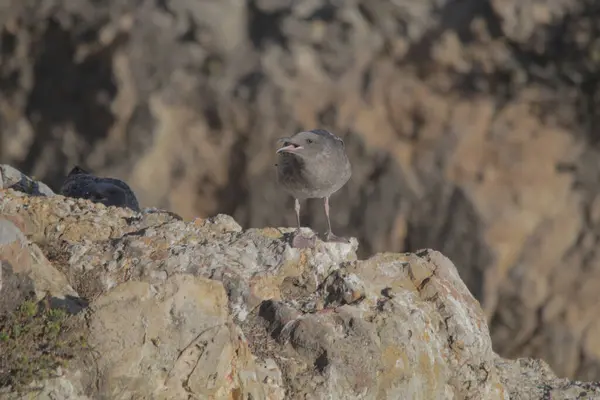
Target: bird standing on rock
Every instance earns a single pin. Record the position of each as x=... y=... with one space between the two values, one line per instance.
x=313 y=164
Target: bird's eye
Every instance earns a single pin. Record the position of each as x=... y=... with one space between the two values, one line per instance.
x=309 y=141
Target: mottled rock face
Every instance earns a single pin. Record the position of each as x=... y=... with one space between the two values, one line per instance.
x=471 y=128
x=11 y=178
x=26 y=271
x=204 y=308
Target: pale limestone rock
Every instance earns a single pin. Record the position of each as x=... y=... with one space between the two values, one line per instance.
x=205 y=309
x=13 y=178
x=169 y=340
x=25 y=269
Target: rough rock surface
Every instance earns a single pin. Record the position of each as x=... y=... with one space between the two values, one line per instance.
x=471 y=126
x=205 y=309
x=11 y=178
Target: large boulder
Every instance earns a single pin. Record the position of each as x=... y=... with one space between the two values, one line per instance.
x=205 y=309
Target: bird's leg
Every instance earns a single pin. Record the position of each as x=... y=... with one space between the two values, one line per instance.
x=329 y=236
x=300 y=241
x=297 y=208
x=327 y=215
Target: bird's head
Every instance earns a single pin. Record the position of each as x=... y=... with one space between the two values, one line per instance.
x=77 y=170
x=310 y=144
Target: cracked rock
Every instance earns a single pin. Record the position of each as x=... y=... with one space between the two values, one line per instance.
x=180 y=309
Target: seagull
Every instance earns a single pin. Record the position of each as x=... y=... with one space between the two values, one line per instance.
x=313 y=164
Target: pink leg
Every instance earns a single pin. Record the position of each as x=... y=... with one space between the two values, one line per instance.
x=297 y=208
x=330 y=237
x=300 y=241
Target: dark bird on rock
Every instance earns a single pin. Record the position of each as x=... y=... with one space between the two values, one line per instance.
x=313 y=164
x=108 y=191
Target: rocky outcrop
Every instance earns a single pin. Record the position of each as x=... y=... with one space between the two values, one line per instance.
x=470 y=126
x=171 y=309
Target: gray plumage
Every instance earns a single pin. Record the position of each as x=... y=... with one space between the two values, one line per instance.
x=108 y=191
x=313 y=164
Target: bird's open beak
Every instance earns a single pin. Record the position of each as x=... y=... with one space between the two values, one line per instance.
x=288 y=146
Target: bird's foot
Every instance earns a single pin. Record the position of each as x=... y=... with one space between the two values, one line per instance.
x=330 y=237
x=300 y=241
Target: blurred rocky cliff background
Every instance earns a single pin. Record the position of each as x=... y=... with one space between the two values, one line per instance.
x=471 y=125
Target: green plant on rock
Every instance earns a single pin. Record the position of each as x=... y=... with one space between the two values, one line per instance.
x=34 y=341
